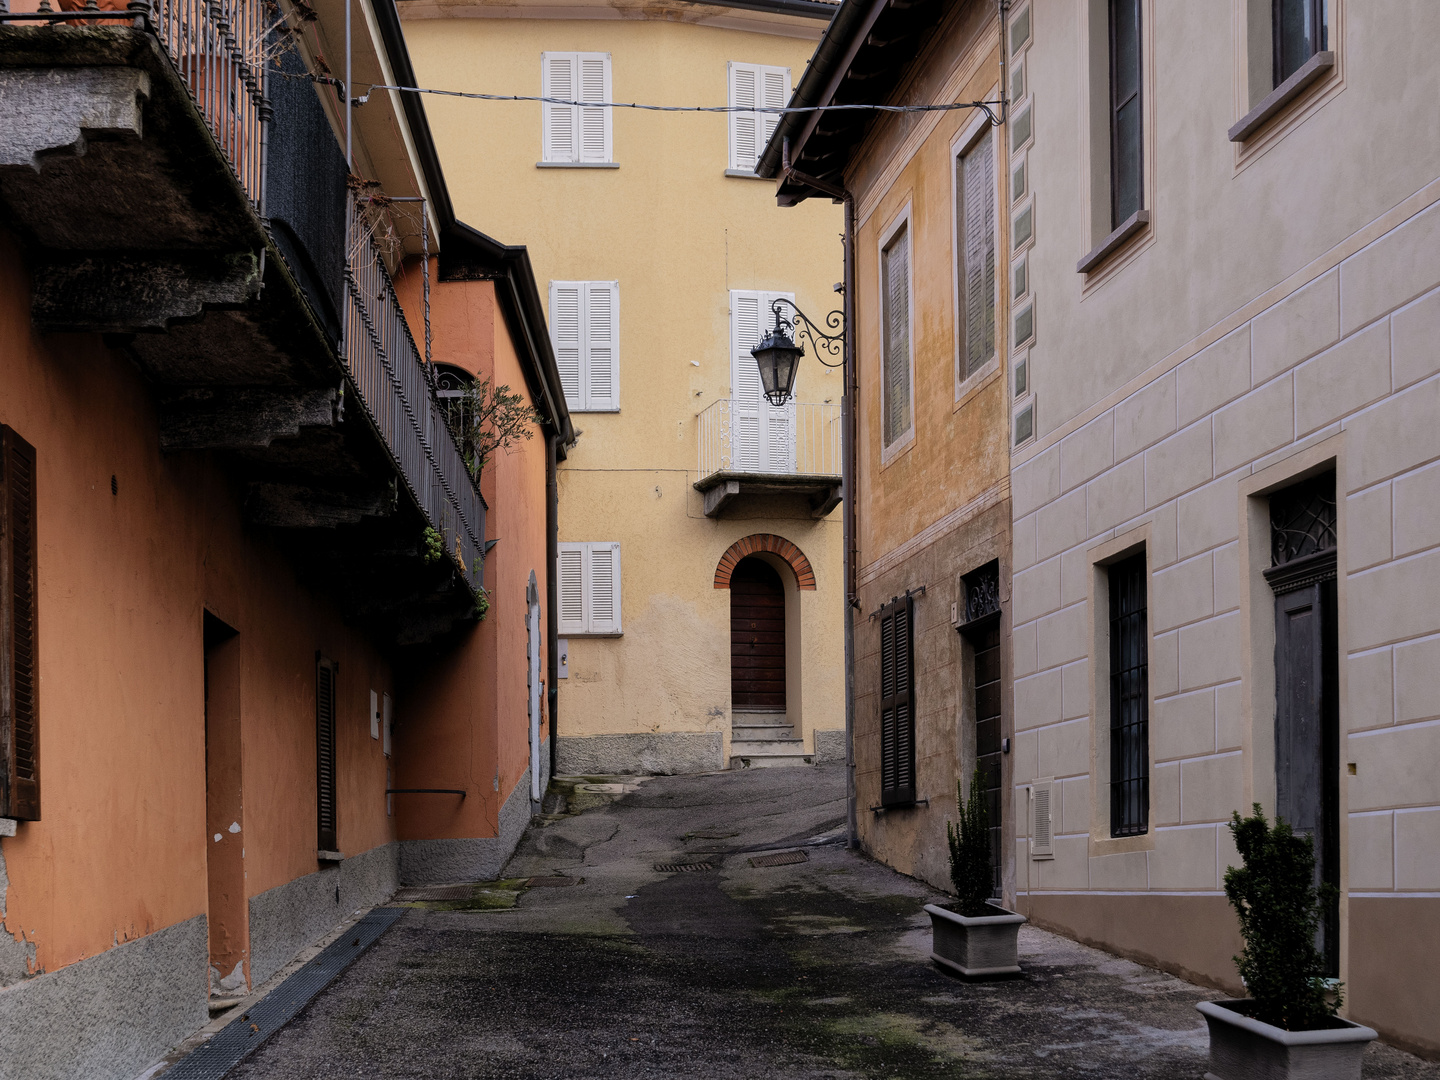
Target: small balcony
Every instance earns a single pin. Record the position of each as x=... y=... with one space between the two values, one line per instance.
x=177 y=186
x=750 y=449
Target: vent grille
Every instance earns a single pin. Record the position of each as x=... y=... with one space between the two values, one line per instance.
x=1041 y=846
x=780 y=858
x=682 y=867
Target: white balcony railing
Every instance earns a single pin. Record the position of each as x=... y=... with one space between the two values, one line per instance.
x=799 y=439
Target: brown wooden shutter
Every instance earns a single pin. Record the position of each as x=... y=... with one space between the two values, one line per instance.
x=19 y=714
x=325 y=671
x=897 y=703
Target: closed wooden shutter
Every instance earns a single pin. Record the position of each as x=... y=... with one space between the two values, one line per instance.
x=762 y=436
x=754 y=86
x=387 y=722
x=897 y=703
x=585 y=333
x=558 y=80
x=604 y=589
x=975 y=181
x=325 y=787
x=895 y=285
x=19 y=683
x=570 y=573
x=1042 y=793
x=575 y=133
x=589 y=586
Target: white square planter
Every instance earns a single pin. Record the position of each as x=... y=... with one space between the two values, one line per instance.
x=987 y=945
x=1246 y=1049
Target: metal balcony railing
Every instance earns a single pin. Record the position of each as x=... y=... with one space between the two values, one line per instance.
x=799 y=438
x=388 y=373
x=217 y=46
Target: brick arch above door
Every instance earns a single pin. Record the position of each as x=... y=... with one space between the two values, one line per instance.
x=776 y=545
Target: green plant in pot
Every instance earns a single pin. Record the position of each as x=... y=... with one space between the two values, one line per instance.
x=973 y=936
x=1288 y=1026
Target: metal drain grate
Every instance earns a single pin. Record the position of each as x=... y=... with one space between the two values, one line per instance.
x=552 y=882
x=682 y=867
x=239 y=1038
x=433 y=893
x=780 y=858
x=710 y=834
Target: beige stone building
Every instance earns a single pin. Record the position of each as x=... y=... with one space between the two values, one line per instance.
x=1225 y=254
x=699 y=548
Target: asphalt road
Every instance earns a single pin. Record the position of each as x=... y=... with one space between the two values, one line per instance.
x=809 y=970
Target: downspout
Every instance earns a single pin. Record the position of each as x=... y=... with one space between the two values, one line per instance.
x=848 y=401
x=552 y=589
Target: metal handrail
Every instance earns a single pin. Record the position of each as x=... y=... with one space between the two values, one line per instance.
x=390 y=380
x=735 y=438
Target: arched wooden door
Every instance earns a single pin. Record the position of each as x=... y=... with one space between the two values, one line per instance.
x=757 y=638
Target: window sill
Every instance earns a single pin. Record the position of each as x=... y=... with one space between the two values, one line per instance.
x=577 y=164
x=587 y=634
x=1282 y=95
x=329 y=856
x=1113 y=243
x=580 y=409
x=746 y=174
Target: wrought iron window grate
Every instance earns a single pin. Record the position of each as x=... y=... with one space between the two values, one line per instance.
x=1129 y=699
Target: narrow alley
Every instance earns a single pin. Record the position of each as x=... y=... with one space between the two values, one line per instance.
x=814 y=968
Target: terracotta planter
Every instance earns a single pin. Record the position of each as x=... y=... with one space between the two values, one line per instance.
x=976 y=947
x=1246 y=1049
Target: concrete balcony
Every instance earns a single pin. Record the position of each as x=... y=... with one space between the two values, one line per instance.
x=749 y=449
x=178 y=187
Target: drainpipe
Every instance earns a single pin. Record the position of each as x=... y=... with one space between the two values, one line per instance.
x=848 y=401
x=552 y=589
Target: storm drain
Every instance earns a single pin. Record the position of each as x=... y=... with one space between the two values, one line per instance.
x=240 y=1038
x=434 y=893
x=551 y=882
x=682 y=867
x=780 y=858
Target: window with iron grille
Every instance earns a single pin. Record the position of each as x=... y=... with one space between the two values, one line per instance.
x=19 y=682
x=325 y=787
x=897 y=702
x=1126 y=152
x=1129 y=699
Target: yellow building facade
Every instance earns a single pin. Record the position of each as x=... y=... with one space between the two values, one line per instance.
x=700 y=544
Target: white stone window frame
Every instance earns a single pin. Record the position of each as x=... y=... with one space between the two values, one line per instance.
x=964 y=140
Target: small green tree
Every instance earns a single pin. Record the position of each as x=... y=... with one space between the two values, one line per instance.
x=970 y=870
x=1279 y=906
x=487 y=418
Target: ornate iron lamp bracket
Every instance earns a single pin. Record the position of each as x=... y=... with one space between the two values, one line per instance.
x=832 y=344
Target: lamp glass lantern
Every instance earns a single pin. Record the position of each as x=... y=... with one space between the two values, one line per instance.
x=779 y=359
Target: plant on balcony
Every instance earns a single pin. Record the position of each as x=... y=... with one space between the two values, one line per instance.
x=486 y=419
x=1287 y=1028
x=973 y=936
x=432 y=545
x=1280 y=910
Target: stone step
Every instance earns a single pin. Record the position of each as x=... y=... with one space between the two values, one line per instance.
x=766 y=746
x=770 y=761
x=753 y=732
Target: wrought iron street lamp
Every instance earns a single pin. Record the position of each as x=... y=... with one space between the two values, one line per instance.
x=779 y=351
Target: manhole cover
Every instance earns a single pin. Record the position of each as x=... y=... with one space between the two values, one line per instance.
x=551 y=882
x=780 y=858
x=433 y=893
x=682 y=867
x=711 y=834
x=602 y=789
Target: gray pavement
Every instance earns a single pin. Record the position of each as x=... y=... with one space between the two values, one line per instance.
x=809 y=970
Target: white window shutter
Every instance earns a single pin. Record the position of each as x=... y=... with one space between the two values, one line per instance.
x=594 y=85
x=744 y=130
x=571 y=587
x=604 y=588
x=374 y=715
x=602 y=345
x=387 y=722
x=560 y=124
x=1042 y=794
x=565 y=308
x=745 y=436
x=775 y=93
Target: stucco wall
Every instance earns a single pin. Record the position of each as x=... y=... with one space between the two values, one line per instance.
x=1282 y=316
x=677 y=234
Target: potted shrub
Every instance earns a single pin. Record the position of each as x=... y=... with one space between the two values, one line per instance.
x=1287 y=1027
x=973 y=935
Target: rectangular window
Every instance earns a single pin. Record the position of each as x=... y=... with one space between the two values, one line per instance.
x=897 y=703
x=585 y=331
x=1298 y=32
x=19 y=682
x=589 y=586
x=1129 y=699
x=762 y=436
x=895 y=330
x=754 y=86
x=975 y=213
x=578 y=133
x=325 y=793
x=1126 y=163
